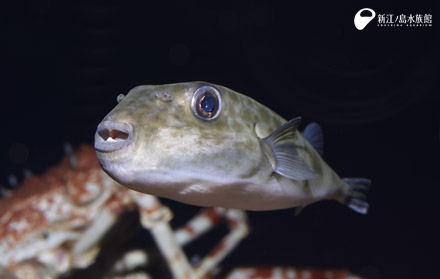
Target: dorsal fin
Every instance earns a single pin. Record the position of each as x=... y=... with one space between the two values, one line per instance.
x=288 y=163
x=313 y=134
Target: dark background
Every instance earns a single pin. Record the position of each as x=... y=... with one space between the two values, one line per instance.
x=375 y=92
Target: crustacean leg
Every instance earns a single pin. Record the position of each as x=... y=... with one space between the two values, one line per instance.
x=204 y=221
x=278 y=272
x=155 y=217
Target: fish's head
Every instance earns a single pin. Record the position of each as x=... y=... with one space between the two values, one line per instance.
x=162 y=139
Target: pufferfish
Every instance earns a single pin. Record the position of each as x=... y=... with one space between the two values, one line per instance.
x=207 y=145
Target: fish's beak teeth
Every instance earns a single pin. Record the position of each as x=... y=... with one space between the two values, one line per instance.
x=111 y=136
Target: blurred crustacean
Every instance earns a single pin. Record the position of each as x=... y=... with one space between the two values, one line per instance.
x=53 y=223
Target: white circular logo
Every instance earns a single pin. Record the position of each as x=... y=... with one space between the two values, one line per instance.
x=361 y=21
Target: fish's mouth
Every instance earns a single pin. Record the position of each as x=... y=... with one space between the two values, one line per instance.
x=111 y=136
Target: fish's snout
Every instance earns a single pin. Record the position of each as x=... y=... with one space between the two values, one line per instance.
x=111 y=136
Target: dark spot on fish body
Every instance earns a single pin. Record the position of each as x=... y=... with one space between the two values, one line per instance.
x=316 y=166
x=306 y=186
x=250 y=115
x=231 y=112
x=263 y=114
x=216 y=140
x=245 y=148
x=233 y=98
x=175 y=135
x=219 y=124
x=315 y=160
x=237 y=127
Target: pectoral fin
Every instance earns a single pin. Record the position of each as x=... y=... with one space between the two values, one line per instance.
x=281 y=144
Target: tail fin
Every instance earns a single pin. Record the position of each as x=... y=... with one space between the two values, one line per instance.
x=358 y=194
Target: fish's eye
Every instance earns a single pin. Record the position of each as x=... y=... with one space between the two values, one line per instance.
x=206 y=103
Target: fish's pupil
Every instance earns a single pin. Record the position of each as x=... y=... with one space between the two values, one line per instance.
x=207 y=103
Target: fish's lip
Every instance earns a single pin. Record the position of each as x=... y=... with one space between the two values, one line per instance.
x=106 y=128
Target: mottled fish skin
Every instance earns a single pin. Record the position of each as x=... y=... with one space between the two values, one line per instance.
x=167 y=151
